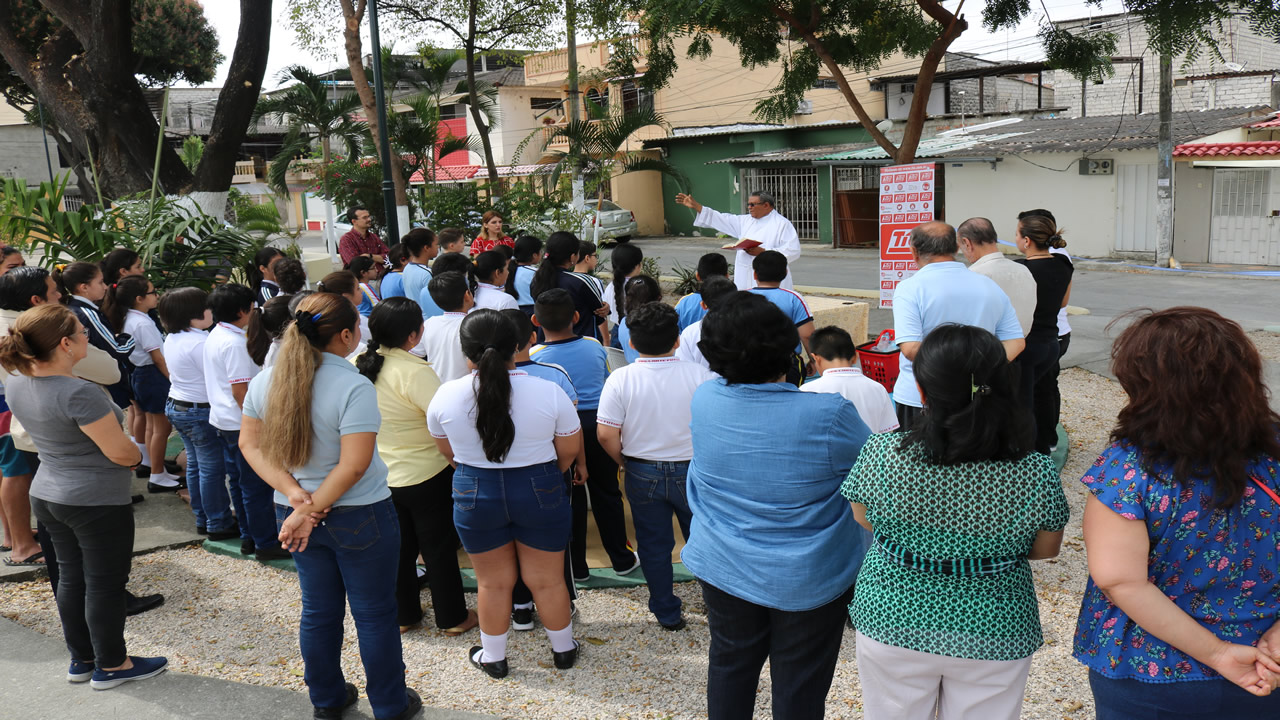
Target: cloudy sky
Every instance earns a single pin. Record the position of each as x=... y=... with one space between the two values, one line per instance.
x=1019 y=44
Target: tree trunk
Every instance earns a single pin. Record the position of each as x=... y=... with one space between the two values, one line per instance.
x=354 y=16
x=238 y=98
x=495 y=187
x=330 y=232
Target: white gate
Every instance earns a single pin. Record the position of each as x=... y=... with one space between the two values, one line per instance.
x=795 y=189
x=1242 y=230
x=1136 y=208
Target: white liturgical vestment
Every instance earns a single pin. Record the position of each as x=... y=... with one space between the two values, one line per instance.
x=773 y=231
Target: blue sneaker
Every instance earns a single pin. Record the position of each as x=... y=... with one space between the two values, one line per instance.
x=80 y=672
x=142 y=669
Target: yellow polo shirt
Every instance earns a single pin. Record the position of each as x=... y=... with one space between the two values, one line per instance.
x=405 y=387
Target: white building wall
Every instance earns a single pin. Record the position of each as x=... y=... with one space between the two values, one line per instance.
x=1238 y=44
x=1085 y=205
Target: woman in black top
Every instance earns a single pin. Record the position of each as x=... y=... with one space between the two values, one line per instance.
x=1036 y=234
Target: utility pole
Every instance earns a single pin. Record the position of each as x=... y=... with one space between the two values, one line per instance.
x=575 y=106
x=1164 y=166
x=392 y=231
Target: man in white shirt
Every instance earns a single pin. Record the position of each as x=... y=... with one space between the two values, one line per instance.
x=643 y=423
x=942 y=292
x=977 y=239
x=762 y=223
x=712 y=291
x=440 y=335
x=833 y=355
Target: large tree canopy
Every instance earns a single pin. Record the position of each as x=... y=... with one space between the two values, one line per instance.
x=813 y=38
x=87 y=61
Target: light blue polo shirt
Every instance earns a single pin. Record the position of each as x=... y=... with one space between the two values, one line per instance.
x=690 y=310
x=415 y=278
x=790 y=303
x=944 y=293
x=343 y=402
x=586 y=362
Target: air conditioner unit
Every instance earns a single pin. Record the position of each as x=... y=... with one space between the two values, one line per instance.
x=804 y=107
x=907 y=88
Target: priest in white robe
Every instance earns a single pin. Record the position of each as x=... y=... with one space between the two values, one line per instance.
x=762 y=223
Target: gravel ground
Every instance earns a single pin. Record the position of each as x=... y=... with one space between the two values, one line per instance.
x=237 y=620
x=1268 y=344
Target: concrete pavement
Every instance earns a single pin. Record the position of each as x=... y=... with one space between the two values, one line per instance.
x=33 y=686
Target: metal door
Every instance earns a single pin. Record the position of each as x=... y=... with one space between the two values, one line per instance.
x=1242 y=230
x=795 y=189
x=1136 y=208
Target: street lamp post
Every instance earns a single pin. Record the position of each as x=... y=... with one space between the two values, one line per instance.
x=384 y=144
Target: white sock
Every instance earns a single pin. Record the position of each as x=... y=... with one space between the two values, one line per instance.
x=164 y=480
x=495 y=647
x=562 y=639
x=522 y=606
x=142 y=447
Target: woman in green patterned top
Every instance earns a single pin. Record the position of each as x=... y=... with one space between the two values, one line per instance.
x=945 y=607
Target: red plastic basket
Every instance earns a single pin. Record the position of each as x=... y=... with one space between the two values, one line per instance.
x=879 y=366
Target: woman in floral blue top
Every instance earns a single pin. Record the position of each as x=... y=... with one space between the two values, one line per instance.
x=1183 y=529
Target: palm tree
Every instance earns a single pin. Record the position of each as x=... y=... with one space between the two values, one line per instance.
x=309 y=111
x=596 y=147
x=418 y=136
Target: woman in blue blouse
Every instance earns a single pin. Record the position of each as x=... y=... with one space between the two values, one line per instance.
x=309 y=430
x=1179 y=617
x=768 y=519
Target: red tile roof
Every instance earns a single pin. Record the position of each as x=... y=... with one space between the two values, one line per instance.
x=1193 y=150
x=447 y=173
x=1270 y=122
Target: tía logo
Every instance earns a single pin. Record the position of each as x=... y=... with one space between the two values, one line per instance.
x=899 y=242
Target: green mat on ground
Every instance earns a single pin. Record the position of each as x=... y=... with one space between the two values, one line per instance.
x=600 y=578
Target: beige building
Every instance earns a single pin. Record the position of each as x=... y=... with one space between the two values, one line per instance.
x=701 y=93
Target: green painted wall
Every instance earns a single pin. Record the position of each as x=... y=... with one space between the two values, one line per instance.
x=713 y=185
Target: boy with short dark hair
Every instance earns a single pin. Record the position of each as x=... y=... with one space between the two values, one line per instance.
x=690 y=308
x=833 y=357
x=770 y=268
x=452 y=240
x=440 y=339
x=643 y=423
x=714 y=290
x=587 y=363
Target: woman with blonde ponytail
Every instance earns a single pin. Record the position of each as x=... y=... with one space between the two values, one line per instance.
x=309 y=430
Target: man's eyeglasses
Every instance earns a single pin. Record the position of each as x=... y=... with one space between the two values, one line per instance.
x=751 y=204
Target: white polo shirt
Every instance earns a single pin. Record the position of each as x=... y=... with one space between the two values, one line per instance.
x=649 y=399
x=540 y=410
x=869 y=397
x=494 y=297
x=226 y=363
x=443 y=345
x=146 y=337
x=184 y=356
x=688 y=350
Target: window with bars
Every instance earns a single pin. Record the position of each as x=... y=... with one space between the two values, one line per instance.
x=795 y=189
x=1240 y=193
x=857 y=178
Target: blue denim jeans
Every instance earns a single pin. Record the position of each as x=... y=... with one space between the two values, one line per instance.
x=351 y=556
x=1192 y=700
x=656 y=491
x=253 y=497
x=206 y=474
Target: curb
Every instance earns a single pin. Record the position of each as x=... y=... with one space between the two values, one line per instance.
x=37 y=573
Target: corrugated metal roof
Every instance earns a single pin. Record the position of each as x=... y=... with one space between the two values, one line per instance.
x=1110 y=133
x=1260 y=147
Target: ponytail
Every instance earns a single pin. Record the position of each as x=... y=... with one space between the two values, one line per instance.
x=122 y=297
x=489 y=340
x=70 y=277
x=273 y=319
x=624 y=259
x=257 y=341
x=16 y=354
x=561 y=248
x=510 y=287
x=286 y=440
x=391 y=324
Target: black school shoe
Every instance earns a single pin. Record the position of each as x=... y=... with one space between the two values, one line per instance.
x=273 y=553
x=335 y=713
x=565 y=660
x=497 y=669
x=134 y=605
x=414 y=707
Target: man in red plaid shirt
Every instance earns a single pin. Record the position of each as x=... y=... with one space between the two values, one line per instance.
x=360 y=240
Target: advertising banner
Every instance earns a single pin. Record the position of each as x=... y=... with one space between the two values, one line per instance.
x=908 y=196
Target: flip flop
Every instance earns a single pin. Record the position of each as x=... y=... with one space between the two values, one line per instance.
x=31 y=561
x=34 y=534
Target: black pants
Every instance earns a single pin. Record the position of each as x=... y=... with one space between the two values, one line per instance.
x=908 y=415
x=1048 y=400
x=606 y=505
x=95 y=549
x=1035 y=363
x=425 y=512
x=801 y=647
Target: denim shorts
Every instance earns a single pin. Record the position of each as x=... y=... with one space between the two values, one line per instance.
x=530 y=505
x=150 y=388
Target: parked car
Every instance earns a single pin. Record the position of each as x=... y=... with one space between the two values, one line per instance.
x=616 y=223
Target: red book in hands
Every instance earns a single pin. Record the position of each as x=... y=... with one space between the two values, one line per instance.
x=743 y=244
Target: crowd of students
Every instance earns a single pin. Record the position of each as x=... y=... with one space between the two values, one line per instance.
x=482 y=398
